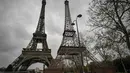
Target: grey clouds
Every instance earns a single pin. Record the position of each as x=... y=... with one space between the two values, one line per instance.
x=19 y=18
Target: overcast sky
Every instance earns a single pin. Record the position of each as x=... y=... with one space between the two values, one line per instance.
x=19 y=18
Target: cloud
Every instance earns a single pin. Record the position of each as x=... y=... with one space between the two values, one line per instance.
x=19 y=18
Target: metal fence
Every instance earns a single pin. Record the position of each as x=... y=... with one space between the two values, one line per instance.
x=21 y=72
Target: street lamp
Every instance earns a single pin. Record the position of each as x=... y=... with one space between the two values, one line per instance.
x=79 y=16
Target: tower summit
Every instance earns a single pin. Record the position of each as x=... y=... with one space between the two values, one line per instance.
x=41 y=23
x=68 y=20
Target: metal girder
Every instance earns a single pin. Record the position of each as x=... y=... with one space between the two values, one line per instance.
x=70 y=50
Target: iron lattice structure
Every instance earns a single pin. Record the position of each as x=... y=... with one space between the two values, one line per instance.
x=71 y=47
x=69 y=43
x=32 y=54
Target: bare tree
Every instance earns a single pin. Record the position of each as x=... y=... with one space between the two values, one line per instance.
x=112 y=15
x=104 y=46
x=107 y=42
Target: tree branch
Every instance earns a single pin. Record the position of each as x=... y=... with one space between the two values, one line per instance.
x=124 y=12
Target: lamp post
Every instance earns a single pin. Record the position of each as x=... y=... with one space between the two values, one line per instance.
x=79 y=16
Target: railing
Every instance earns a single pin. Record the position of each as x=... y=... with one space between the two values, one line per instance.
x=18 y=72
x=31 y=71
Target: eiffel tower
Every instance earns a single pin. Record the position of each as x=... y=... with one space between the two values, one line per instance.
x=32 y=54
x=70 y=47
x=70 y=43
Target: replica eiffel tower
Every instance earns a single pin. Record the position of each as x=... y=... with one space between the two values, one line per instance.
x=70 y=48
x=32 y=54
x=70 y=43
